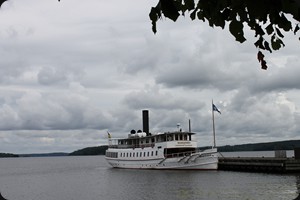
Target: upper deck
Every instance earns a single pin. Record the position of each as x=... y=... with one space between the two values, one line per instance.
x=136 y=141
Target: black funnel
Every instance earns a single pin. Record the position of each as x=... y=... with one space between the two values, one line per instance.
x=146 y=122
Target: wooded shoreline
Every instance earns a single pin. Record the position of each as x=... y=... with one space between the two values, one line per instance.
x=100 y=150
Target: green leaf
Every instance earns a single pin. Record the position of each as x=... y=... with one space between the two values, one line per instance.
x=153 y=17
x=226 y=14
x=296 y=29
x=240 y=38
x=291 y=7
x=259 y=43
x=193 y=14
x=266 y=44
x=258 y=30
x=169 y=9
x=260 y=56
x=264 y=65
x=217 y=20
x=200 y=15
x=2 y=1
x=190 y=4
x=236 y=29
x=270 y=29
x=276 y=44
x=279 y=33
x=281 y=42
x=153 y=14
x=284 y=23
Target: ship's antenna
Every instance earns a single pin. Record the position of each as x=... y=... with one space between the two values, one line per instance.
x=178 y=127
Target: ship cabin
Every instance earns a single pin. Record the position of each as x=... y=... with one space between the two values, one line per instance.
x=173 y=144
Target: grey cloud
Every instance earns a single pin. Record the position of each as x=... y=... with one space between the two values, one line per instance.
x=234 y=74
x=9 y=118
x=283 y=79
x=59 y=76
x=208 y=65
x=155 y=99
x=67 y=76
x=201 y=76
x=49 y=76
x=45 y=141
x=51 y=111
x=255 y=117
x=11 y=70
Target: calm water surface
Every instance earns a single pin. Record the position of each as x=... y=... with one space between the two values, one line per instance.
x=90 y=178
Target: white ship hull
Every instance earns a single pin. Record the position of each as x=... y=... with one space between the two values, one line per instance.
x=204 y=160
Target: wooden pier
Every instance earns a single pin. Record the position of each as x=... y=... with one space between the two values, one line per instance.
x=260 y=164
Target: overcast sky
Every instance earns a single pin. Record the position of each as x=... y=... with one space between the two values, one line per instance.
x=72 y=70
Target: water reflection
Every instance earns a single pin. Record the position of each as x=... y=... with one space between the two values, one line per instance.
x=298 y=187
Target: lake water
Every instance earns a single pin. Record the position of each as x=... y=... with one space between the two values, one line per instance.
x=91 y=178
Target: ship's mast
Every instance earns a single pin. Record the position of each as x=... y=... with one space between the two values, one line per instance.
x=213 y=120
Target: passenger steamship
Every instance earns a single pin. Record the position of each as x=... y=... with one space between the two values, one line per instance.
x=169 y=150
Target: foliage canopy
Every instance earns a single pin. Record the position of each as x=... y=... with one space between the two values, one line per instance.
x=268 y=19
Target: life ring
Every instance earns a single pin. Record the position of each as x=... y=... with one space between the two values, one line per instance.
x=152 y=145
x=142 y=146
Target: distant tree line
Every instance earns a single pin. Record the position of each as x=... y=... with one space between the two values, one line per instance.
x=268 y=146
x=7 y=155
x=90 y=151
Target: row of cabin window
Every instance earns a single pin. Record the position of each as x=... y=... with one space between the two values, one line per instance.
x=183 y=137
x=131 y=142
x=138 y=154
x=112 y=154
x=161 y=138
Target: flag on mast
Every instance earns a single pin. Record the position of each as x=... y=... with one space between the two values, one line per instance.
x=109 y=139
x=108 y=135
x=215 y=108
